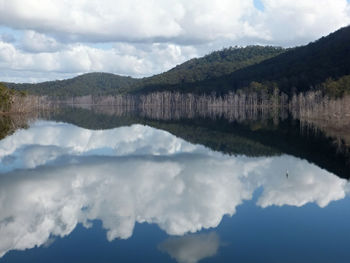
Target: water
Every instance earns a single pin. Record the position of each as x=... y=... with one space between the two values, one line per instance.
x=88 y=186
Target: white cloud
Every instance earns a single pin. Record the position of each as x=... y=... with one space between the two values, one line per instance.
x=20 y=76
x=305 y=184
x=175 y=21
x=50 y=182
x=191 y=248
x=123 y=59
x=298 y=22
x=50 y=138
x=128 y=20
x=154 y=189
x=149 y=37
x=37 y=43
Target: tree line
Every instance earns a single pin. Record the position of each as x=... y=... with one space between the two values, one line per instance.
x=311 y=104
x=12 y=101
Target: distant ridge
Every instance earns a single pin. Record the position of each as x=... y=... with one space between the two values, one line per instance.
x=317 y=65
x=296 y=70
x=216 y=64
x=305 y=67
x=91 y=83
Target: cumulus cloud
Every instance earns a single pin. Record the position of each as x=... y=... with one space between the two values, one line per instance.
x=182 y=21
x=149 y=37
x=191 y=248
x=50 y=182
x=305 y=184
x=28 y=76
x=172 y=192
x=45 y=139
x=50 y=56
x=36 y=42
x=130 y=20
x=297 y=22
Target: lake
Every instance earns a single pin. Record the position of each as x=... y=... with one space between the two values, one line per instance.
x=100 y=184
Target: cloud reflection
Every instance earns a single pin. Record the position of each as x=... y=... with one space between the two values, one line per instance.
x=55 y=175
x=191 y=248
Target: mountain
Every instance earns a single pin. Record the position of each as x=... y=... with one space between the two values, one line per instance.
x=323 y=64
x=304 y=67
x=216 y=64
x=91 y=83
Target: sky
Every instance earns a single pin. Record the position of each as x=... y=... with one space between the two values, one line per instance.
x=44 y=40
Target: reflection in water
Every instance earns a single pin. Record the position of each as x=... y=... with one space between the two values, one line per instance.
x=249 y=137
x=331 y=118
x=191 y=248
x=55 y=175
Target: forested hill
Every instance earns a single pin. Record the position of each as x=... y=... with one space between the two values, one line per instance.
x=216 y=64
x=91 y=83
x=323 y=64
x=304 y=67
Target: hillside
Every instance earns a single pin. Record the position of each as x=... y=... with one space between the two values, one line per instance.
x=319 y=65
x=91 y=83
x=304 y=67
x=216 y=64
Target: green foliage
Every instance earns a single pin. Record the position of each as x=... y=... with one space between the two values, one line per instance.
x=296 y=70
x=216 y=64
x=5 y=126
x=5 y=98
x=337 y=88
x=92 y=83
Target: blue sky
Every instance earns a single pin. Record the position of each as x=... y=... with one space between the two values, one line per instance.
x=46 y=40
x=258 y=4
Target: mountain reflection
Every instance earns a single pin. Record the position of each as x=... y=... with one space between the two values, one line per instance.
x=55 y=175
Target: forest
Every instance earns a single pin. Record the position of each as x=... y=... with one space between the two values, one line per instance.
x=13 y=101
x=5 y=98
x=296 y=70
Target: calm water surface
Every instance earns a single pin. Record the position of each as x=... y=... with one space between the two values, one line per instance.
x=168 y=192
